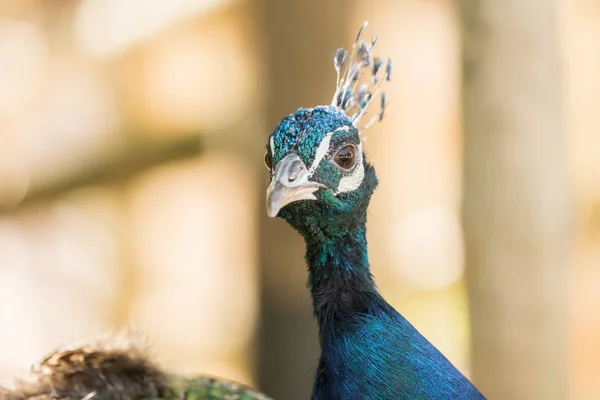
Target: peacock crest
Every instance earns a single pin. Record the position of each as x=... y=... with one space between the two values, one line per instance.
x=351 y=96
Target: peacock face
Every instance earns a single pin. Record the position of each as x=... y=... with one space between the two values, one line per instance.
x=317 y=168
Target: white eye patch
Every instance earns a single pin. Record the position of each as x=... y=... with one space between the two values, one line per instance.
x=347 y=183
x=352 y=182
x=320 y=154
x=323 y=149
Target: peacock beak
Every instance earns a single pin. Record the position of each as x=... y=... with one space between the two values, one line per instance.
x=289 y=184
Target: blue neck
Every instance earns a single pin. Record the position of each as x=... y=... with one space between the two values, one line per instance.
x=339 y=279
x=368 y=350
x=344 y=254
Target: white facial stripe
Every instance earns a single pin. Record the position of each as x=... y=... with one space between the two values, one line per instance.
x=272 y=144
x=323 y=149
x=320 y=153
x=353 y=181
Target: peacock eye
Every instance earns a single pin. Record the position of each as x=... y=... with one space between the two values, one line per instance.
x=346 y=157
x=269 y=161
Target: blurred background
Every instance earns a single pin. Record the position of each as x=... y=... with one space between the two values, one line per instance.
x=132 y=182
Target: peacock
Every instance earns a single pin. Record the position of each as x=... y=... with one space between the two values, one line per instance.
x=321 y=184
x=115 y=368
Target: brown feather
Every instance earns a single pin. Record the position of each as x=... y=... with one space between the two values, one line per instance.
x=109 y=369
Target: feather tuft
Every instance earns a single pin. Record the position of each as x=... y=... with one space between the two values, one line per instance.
x=348 y=65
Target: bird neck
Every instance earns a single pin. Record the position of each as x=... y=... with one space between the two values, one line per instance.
x=339 y=272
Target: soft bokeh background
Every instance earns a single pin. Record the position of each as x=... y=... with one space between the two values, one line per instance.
x=131 y=180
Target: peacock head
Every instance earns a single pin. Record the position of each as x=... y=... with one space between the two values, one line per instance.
x=320 y=181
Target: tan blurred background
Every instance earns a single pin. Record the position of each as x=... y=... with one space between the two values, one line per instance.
x=132 y=135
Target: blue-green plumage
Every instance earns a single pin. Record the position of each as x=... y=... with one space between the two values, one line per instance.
x=368 y=350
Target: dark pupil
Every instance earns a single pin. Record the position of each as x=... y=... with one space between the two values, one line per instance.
x=268 y=161
x=345 y=157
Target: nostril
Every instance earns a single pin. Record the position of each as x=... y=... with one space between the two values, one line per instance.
x=291 y=178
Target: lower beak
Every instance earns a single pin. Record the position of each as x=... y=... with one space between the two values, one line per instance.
x=289 y=184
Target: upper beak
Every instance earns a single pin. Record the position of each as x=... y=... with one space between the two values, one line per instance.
x=289 y=184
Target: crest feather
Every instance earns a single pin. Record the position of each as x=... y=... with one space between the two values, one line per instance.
x=349 y=97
